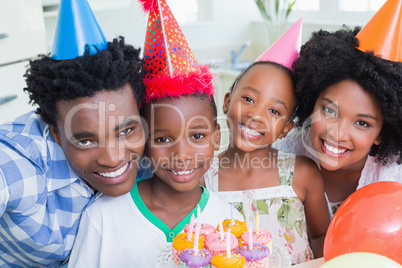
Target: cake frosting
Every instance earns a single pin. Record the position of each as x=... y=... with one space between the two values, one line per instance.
x=238 y=228
x=181 y=242
x=217 y=246
x=205 y=228
x=258 y=252
x=222 y=261
x=263 y=237
x=189 y=259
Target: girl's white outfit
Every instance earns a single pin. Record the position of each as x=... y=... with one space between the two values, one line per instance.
x=298 y=141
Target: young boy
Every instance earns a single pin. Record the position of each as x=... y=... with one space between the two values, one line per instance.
x=85 y=138
x=182 y=136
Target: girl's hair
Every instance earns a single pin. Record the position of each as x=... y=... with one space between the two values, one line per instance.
x=329 y=58
x=49 y=81
x=277 y=65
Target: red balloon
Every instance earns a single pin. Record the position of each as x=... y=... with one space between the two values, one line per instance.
x=369 y=220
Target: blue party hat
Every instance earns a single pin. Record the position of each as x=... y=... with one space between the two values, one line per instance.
x=76 y=28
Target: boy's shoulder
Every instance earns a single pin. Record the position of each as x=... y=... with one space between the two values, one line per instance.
x=220 y=208
x=107 y=204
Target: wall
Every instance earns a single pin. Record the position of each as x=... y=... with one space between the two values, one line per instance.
x=229 y=29
x=233 y=23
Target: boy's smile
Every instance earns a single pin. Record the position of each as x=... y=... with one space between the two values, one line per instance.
x=102 y=138
x=346 y=122
x=182 y=140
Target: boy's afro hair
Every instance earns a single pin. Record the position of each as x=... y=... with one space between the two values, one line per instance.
x=49 y=81
x=328 y=58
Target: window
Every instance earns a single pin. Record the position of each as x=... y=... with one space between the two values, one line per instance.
x=191 y=11
x=352 y=12
x=185 y=11
x=307 y=5
x=360 y=5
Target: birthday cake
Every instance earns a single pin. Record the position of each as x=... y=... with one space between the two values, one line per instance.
x=191 y=258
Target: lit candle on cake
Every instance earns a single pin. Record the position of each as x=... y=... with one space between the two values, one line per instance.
x=257 y=223
x=196 y=237
x=250 y=233
x=190 y=227
x=228 y=251
x=221 y=231
x=231 y=214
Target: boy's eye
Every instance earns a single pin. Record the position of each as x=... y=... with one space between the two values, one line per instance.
x=248 y=99
x=276 y=112
x=162 y=139
x=330 y=111
x=197 y=136
x=362 y=123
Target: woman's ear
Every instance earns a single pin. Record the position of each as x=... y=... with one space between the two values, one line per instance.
x=226 y=103
x=55 y=134
x=286 y=129
x=378 y=140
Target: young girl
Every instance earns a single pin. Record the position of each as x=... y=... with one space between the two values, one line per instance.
x=354 y=101
x=286 y=190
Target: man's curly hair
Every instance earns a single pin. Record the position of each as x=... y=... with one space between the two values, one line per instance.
x=329 y=58
x=49 y=81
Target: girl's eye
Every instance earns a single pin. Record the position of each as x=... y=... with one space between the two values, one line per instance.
x=276 y=112
x=197 y=136
x=329 y=110
x=84 y=143
x=162 y=139
x=362 y=123
x=125 y=131
x=248 y=99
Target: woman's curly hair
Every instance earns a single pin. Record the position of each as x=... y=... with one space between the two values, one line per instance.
x=329 y=58
x=49 y=81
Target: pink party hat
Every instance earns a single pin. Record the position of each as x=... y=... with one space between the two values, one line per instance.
x=286 y=49
x=169 y=64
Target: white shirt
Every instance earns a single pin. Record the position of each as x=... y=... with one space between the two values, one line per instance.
x=119 y=232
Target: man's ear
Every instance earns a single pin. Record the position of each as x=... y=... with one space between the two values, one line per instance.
x=286 y=129
x=55 y=134
x=226 y=103
x=217 y=137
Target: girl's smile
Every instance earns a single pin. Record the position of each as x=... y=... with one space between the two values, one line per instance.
x=335 y=151
x=259 y=107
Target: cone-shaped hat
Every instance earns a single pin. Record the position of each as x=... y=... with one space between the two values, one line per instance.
x=76 y=27
x=286 y=49
x=170 y=66
x=383 y=33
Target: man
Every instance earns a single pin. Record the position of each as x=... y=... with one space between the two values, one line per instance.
x=85 y=139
